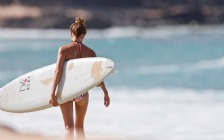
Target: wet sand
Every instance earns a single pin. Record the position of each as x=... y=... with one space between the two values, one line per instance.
x=7 y=133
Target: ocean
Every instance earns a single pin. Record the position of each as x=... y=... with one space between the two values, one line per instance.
x=169 y=86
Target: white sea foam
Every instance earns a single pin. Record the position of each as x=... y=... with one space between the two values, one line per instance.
x=17 y=33
x=33 y=48
x=171 y=114
x=189 y=67
x=162 y=32
x=113 y=32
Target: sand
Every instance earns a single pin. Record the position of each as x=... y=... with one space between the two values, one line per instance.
x=7 y=133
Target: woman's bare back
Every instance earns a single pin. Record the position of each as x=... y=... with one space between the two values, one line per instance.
x=72 y=51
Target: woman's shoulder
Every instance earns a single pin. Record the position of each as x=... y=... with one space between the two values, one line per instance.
x=65 y=48
x=91 y=52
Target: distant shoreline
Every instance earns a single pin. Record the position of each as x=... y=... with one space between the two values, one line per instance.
x=61 y=16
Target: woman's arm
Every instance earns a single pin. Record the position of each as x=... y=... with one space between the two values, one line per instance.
x=106 y=95
x=57 y=75
x=103 y=87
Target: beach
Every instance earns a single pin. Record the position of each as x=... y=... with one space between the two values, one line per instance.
x=7 y=133
x=169 y=58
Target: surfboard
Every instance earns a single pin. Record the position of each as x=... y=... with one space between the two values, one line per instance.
x=32 y=91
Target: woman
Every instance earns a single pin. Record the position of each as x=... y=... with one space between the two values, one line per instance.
x=76 y=49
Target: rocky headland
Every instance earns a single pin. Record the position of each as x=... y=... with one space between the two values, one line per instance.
x=107 y=13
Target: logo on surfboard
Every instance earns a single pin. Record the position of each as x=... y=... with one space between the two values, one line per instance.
x=24 y=84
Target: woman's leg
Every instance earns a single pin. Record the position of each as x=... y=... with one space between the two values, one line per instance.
x=81 y=108
x=67 y=112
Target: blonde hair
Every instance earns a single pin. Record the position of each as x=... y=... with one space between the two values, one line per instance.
x=78 y=27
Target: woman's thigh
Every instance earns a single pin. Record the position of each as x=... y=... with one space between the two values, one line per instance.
x=67 y=113
x=81 y=108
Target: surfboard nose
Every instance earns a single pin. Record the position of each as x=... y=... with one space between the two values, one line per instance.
x=110 y=64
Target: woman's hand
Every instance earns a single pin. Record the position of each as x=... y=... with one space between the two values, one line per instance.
x=53 y=101
x=106 y=100
x=106 y=96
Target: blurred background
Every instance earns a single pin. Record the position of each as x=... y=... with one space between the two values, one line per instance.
x=169 y=55
x=104 y=14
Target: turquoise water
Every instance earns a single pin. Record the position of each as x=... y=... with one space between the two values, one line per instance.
x=169 y=85
x=192 y=60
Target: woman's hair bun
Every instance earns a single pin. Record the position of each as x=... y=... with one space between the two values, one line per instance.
x=79 y=20
x=78 y=27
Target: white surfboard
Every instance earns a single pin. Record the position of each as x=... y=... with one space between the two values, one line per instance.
x=32 y=91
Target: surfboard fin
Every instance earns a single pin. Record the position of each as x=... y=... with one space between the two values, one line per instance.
x=115 y=71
